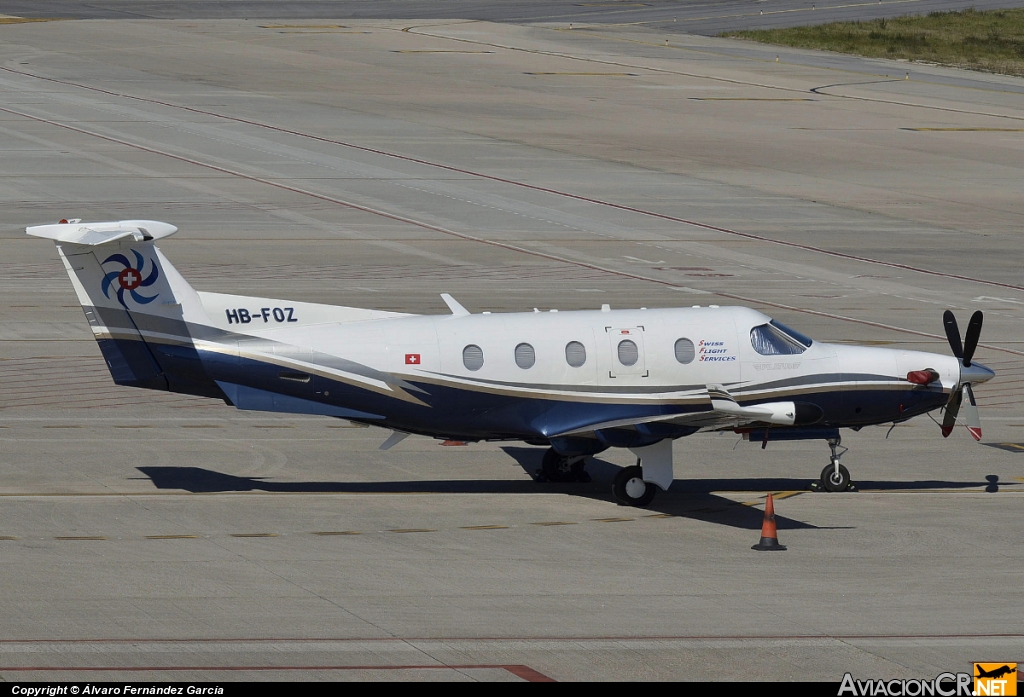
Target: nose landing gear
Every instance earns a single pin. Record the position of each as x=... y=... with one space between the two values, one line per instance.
x=834 y=477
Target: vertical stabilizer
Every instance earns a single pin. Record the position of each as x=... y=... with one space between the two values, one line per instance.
x=141 y=311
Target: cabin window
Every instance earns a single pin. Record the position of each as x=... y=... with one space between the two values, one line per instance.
x=684 y=351
x=473 y=357
x=629 y=354
x=575 y=354
x=775 y=339
x=525 y=356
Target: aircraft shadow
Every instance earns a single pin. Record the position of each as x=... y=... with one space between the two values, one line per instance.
x=690 y=498
x=684 y=498
x=197 y=480
x=698 y=505
x=530 y=459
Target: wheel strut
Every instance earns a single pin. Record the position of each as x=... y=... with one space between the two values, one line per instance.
x=834 y=444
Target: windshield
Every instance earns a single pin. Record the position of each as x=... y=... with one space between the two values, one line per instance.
x=776 y=339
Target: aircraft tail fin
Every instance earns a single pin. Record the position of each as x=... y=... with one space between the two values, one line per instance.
x=142 y=312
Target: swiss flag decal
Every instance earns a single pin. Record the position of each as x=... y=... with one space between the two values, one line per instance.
x=412 y=359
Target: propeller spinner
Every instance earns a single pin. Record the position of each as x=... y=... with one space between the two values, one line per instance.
x=962 y=395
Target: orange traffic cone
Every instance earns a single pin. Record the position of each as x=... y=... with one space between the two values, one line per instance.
x=769 y=538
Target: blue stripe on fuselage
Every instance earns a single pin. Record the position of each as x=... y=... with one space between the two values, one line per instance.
x=470 y=414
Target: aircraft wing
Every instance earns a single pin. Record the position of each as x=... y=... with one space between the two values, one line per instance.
x=723 y=413
x=705 y=421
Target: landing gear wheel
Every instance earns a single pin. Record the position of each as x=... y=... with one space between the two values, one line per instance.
x=630 y=489
x=561 y=468
x=835 y=482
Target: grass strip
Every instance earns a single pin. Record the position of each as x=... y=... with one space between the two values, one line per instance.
x=991 y=40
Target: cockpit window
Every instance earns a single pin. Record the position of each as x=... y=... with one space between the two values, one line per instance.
x=776 y=339
x=792 y=333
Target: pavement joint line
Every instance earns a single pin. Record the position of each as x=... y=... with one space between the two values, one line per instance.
x=554 y=522
x=172 y=537
x=254 y=534
x=980 y=130
x=541 y=639
x=755 y=99
x=70 y=538
x=485 y=527
x=483 y=176
x=412 y=530
x=441 y=51
x=294 y=31
x=302 y=26
x=612 y=520
x=520 y=671
x=584 y=74
x=326 y=533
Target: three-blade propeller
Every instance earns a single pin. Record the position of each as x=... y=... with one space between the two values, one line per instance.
x=965 y=352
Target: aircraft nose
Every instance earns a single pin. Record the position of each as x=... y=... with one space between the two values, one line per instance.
x=976 y=373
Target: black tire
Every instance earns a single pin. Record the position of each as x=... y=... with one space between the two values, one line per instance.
x=832 y=483
x=560 y=468
x=626 y=485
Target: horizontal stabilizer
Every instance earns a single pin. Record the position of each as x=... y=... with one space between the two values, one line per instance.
x=103 y=233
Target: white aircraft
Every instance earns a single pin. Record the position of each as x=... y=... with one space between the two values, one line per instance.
x=578 y=382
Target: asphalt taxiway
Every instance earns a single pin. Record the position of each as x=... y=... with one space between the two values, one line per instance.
x=381 y=162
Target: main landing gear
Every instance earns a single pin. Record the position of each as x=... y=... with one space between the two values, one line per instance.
x=834 y=477
x=563 y=468
x=630 y=489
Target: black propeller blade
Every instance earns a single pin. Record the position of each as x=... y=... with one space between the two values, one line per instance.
x=965 y=352
x=952 y=409
x=971 y=340
x=953 y=333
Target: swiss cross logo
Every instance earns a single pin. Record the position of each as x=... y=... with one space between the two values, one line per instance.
x=130 y=279
x=412 y=359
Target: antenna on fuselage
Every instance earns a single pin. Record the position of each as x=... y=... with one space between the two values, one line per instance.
x=454 y=305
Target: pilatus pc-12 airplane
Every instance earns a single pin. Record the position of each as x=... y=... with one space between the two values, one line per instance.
x=578 y=382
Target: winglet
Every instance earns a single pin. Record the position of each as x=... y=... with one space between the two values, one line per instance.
x=457 y=309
